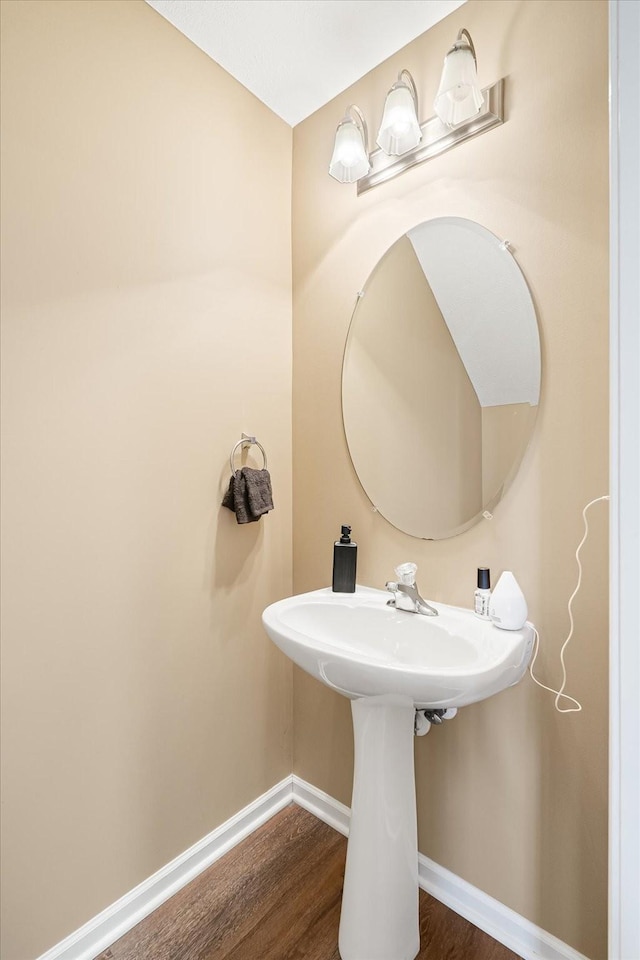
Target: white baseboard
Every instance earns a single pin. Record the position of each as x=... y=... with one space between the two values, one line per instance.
x=504 y=925
x=321 y=805
x=108 y=926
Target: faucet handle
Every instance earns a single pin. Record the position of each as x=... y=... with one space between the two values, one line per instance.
x=406 y=573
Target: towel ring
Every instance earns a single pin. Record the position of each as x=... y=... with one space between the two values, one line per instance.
x=247 y=441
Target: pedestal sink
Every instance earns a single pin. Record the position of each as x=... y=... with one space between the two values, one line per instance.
x=389 y=663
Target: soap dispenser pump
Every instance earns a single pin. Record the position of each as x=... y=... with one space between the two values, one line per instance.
x=345 y=553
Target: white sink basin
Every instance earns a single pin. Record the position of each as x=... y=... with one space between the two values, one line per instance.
x=389 y=663
x=357 y=645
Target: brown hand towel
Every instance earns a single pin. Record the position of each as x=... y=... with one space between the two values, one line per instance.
x=258 y=491
x=235 y=499
x=249 y=494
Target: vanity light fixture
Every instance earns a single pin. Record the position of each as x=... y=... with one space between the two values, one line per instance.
x=350 y=159
x=459 y=96
x=462 y=111
x=400 y=128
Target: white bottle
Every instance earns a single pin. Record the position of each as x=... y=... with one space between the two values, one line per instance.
x=482 y=595
x=508 y=607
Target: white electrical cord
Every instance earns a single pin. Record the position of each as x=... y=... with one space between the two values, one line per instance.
x=559 y=693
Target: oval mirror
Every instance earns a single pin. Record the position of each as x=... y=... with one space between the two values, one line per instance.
x=441 y=378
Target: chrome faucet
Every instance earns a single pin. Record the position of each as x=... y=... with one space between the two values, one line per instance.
x=405 y=592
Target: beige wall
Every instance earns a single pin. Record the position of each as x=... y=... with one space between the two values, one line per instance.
x=511 y=795
x=401 y=364
x=146 y=324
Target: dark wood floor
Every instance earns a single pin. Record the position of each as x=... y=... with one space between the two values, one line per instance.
x=276 y=896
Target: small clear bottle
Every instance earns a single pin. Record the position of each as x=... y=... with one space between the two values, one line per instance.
x=482 y=594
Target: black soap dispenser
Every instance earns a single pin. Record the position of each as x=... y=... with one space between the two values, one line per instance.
x=345 y=554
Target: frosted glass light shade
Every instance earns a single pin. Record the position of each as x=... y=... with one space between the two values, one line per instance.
x=350 y=160
x=399 y=130
x=459 y=96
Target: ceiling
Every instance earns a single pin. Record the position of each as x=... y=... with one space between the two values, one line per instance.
x=296 y=55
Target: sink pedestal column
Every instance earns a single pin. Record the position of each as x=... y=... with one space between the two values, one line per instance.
x=379 y=919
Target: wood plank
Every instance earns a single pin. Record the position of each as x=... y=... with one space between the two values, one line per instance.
x=276 y=896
